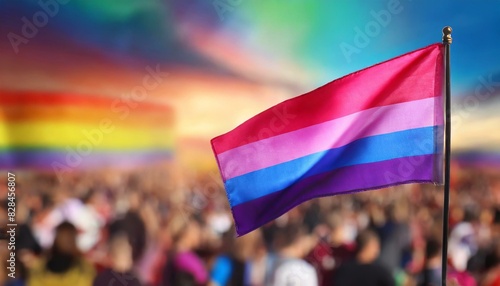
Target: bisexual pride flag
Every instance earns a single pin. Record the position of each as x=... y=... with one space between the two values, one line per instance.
x=374 y=128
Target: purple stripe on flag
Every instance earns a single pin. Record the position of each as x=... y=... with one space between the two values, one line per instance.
x=418 y=169
x=50 y=159
x=331 y=134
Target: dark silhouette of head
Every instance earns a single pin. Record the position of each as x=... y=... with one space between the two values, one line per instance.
x=367 y=246
x=432 y=248
x=292 y=240
x=64 y=252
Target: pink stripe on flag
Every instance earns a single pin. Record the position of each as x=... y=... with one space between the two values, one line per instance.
x=413 y=76
x=330 y=134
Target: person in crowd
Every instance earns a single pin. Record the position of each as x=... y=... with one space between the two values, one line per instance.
x=463 y=240
x=289 y=267
x=64 y=264
x=120 y=264
x=491 y=277
x=394 y=233
x=431 y=274
x=364 y=269
x=331 y=251
x=462 y=247
x=184 y=267
x=133 y=225
x=228 y=268
x=258 y=264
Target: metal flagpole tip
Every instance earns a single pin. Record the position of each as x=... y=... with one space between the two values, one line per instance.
x=447 y=35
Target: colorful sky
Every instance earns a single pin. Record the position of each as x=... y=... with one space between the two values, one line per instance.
x=222 y=61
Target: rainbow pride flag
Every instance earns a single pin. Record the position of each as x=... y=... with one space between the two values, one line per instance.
x=378 y=127
x=63 y=131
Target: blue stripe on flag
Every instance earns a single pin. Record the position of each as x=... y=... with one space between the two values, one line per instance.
x=412 y=142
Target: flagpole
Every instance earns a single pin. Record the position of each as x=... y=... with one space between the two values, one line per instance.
x=447 y=151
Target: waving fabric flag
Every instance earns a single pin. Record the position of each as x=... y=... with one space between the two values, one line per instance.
x=66 y=131
x=378 y=127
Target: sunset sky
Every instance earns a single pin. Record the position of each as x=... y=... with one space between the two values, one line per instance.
x=221 y=62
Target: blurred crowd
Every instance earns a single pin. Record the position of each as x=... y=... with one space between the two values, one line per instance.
x=159 y=227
